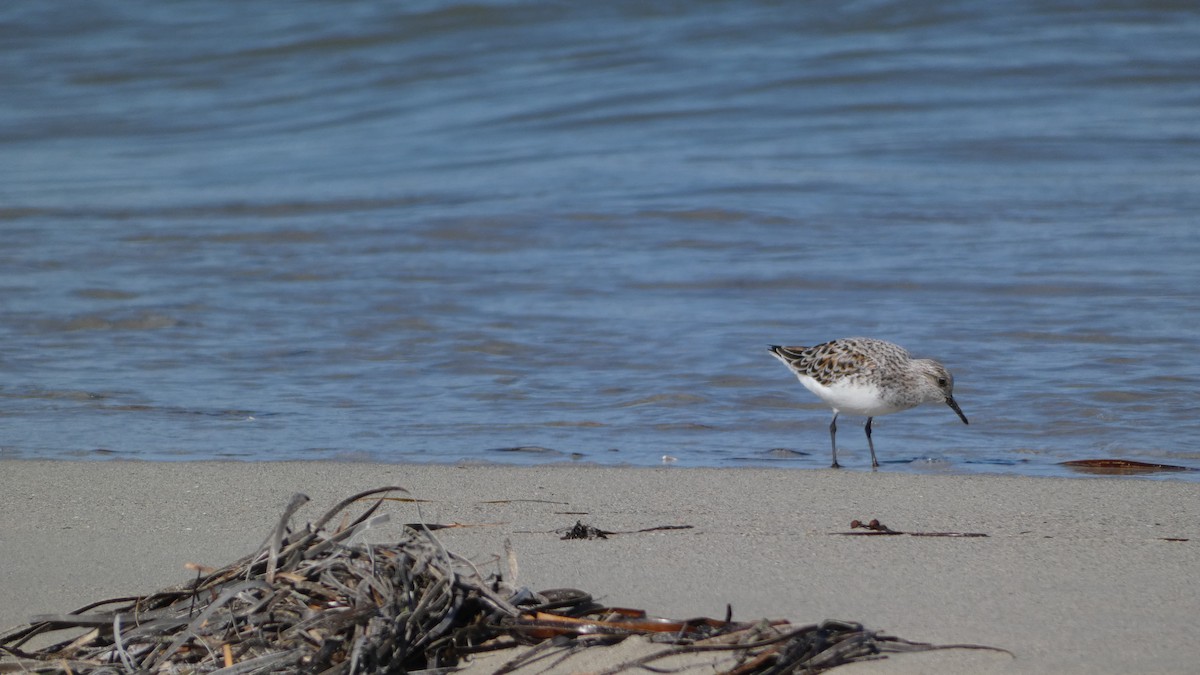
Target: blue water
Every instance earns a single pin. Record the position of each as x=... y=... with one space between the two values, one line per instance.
x=565 y=232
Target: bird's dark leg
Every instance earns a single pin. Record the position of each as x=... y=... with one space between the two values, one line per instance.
x=871 y=444
x=833 y=440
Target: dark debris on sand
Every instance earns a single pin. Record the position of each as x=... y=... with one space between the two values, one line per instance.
x=314 y=600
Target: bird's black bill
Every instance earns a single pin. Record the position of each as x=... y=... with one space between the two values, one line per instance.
x=954 y=406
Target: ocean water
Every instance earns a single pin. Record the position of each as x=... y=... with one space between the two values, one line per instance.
x=539 y=232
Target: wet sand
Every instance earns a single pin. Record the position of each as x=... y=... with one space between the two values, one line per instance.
x=1075 y=575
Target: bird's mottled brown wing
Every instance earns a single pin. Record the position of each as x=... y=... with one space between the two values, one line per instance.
x=827 y=362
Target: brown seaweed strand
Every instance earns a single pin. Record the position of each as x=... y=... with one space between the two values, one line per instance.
x=350 y=500
x=193 y=628
x=296 y=502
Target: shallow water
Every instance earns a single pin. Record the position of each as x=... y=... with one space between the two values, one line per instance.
x=534 y=232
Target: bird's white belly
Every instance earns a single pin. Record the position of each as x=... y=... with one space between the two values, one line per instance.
x=851 y=397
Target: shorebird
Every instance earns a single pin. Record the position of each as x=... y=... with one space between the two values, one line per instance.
x=864 y=376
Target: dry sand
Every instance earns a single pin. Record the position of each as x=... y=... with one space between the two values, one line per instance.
x=1075 y=575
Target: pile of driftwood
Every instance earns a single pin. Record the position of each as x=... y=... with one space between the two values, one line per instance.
x=315 y=601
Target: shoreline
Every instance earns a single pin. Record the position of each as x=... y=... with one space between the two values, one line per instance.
x=1073 y=576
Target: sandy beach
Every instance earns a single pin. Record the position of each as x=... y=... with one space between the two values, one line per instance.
x=1074 y=575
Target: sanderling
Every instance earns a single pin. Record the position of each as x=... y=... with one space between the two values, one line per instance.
x=864 y=376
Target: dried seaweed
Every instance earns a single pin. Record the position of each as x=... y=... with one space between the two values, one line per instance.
x=1120 y=467
x=876 y=528
x=580 y=530
x=317 y=601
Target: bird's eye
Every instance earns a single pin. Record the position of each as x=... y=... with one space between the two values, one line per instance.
x=941 y=381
